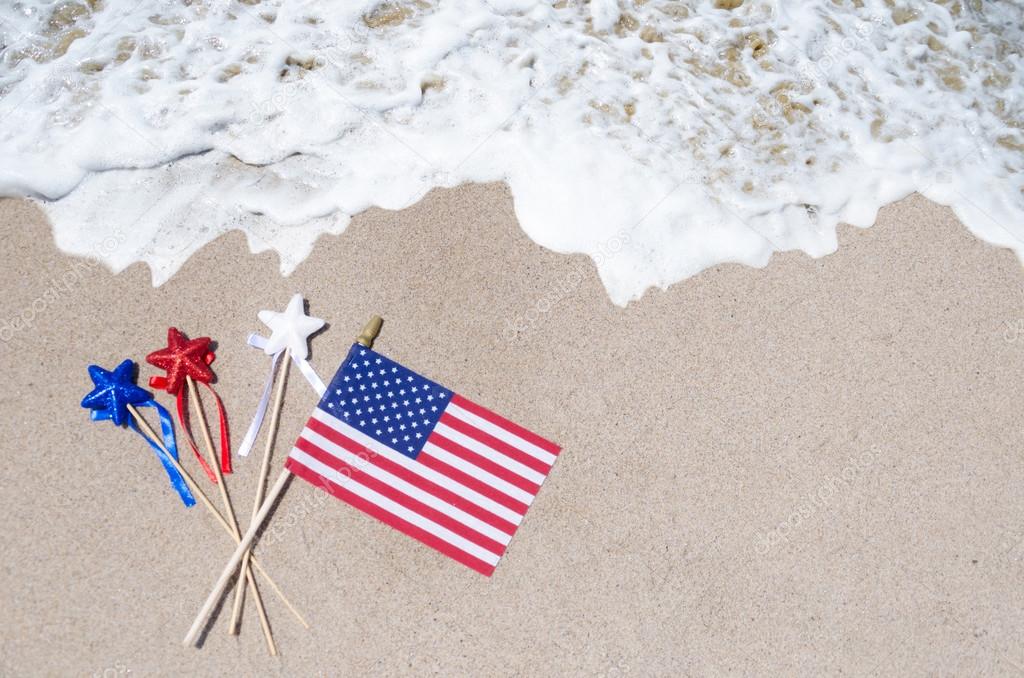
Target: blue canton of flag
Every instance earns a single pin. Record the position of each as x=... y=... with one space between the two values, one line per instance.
x=386 y=401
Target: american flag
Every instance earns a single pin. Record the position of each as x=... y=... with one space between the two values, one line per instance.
x=422 y=459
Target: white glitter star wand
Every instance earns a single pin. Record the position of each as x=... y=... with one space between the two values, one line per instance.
x=290 y=332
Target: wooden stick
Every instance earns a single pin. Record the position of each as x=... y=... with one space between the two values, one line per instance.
x=366 y=338
x=232 y=521
x=198 y=492
x=261 y=481
x=236 y=558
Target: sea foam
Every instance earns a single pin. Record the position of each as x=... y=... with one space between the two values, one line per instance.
x=658 y=137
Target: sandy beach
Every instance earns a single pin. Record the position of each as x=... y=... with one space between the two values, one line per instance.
x=813 y=468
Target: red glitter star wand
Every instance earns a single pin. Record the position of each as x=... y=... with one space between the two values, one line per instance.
x=186 y=362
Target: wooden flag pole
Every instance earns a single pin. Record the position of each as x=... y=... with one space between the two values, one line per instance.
x=365 y=338
x=198 y=492
x=261 y=482
x=229 y=511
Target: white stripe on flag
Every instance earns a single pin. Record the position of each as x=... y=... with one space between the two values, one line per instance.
x=472 y=469
x=394 y=508
x=430 y=474
x=406 y=488
x=499 y=458
x=501 y=434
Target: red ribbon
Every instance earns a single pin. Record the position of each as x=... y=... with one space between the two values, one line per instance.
x=183 y=420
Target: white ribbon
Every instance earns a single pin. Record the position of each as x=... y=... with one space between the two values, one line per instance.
x=256 y=341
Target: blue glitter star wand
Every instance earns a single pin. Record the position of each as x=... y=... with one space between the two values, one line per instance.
x=116 y=397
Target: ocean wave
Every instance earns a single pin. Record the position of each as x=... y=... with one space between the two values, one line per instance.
x=683 y=133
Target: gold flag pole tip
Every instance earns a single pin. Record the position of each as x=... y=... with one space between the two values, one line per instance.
x=370 y=332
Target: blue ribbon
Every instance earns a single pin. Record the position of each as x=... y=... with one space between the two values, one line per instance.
x=167 y=431
x=112 y=394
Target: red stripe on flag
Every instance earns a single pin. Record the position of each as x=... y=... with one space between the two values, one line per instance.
x=380 y=461
x=390 y=519
x=483 y=463
x=496 y=444
x=394 y=494
x=472 y=483
x=504 y=423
